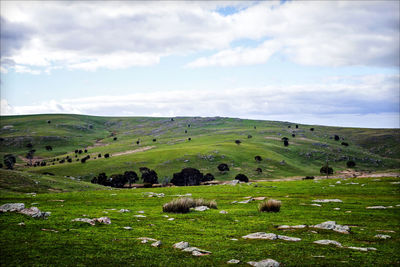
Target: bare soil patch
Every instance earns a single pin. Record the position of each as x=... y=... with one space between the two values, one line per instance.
x=133 y=151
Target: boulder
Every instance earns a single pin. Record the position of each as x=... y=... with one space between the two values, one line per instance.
x=233 y=261
x=85 y=220
x=380 y=236
x=12 y=207
x=181 y=245
x=327 y=200
x=156 y=244
x=376 y=208
x=127 y=228
x=201 y=208
x=261 y=235
x=223 y=212
x=362 y=249
x=285 y=227
x=124 y=210
x=328 y=242
x=264 y=263
x=34 y=212
x=288 y=238
x=331 y=225
x=103 y=220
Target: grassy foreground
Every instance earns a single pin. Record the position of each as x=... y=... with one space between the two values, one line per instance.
x=80 y=244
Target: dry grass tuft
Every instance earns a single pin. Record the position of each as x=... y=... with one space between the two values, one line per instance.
x=183 y=205
x=270 y=206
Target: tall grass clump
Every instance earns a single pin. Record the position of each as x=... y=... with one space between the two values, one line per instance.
x=183 y=205
x=270 y=206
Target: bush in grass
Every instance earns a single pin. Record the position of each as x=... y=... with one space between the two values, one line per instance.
x=326 y=170
x=187 y=177
x=154 y=140
x=249 y=136
x=285 y=139
x=79 y=151
x=190 y=139
x=258 y=158
x=185 y=131
x=69 y=160
x=99 y=155
x=308 y=178
x=131 y=177
x=115 y=138
x=49 y=148
x=223 y=167
x=270 y=206
x=345 y=144
x=9 y=161
x=350 y=164
x=238 y=142
x=183 y=205
x=337 y=138
x=106 y=155
x=286 y=143
x=311 y=129
x=241 y=177
x=297 y=126
x=85 y=150
x=149 y=176
x=293 y=135
x=208 y=177
x=1 y=166
x=137 y=142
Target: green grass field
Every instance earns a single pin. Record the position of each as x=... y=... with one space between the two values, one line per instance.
x=67 y=194
x=80 y=244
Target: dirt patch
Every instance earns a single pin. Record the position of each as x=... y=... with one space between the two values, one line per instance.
x=133 y=151
x=34 y=160
x=273 y=138
x=97 y=144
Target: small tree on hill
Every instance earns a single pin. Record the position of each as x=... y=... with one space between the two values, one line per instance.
x=149 y=176
x=29 y=155
x=223 y=167
x=131 y=177
x=9 y=161
x=350 y=164
x=241 y=177
x=238 y=142
x=258 y=158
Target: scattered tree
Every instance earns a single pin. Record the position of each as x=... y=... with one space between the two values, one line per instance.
x=115 y=138
x=154 y=140
x=1 y=165
x=238 y=142
x=345 y=144
x=185 y=131
x=258 y=158
x=131 y=177
x=311 y=129
x=208 y=177
x=190 y=139
x=241 y=177
x=137 y=142
x=259 y=170
x=350 y=164
x=106 y=155
x=249 y=136
x=289 y=126
x=85 y=150
x=223 y=167
x=9 y=161
x=286 y=143
x=149 y=177
x=297 y=126
x=49 y=148
x=187 y=177
x=326 y=170
x=49 y=121
x=255 y=127
x=118 y=180
x=29 y=145
x=29 y=155
x=285 y=139
x=293 y=135
x=99 y=155
x=337 y=138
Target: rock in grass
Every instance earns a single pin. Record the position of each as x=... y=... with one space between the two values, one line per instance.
x=124 y=210
x=331 y=225
x=181 y=245
x=380 y=236
x=376 y=208
x=233 y=261
x=146 y=239
x=9 y=207
x=34 y=212
x=288 y=238
x=103 y=220
x=327 y=200
x=362 y=249
x=316 y=205
x=139 y=216
x=285 y=227
x=127 y=228
x=261 y=235
x=223 y=212
x=85 y=220
x=156 y=244
x=201 y=208
x=328 y=242
x=264 y=263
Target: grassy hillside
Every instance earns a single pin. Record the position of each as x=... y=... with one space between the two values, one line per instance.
x=58 y=241
x=212 y=143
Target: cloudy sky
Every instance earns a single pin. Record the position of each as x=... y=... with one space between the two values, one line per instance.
x=328 y=62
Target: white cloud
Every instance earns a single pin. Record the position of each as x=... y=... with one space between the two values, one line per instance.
x=90 y=35
x=360 y=97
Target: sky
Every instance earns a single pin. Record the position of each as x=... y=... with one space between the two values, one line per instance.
x=314 y=62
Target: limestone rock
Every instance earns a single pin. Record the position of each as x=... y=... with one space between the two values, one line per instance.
x=128 y=228
x=331 y=225
x=376 y=208
x=285 y=227
x=327 y=200
x=233 y=261
x=34 y=212
x=261 y=235
x=103 y=220
x=139 y=216
x=181 y=245
x=156 y=244
x=288 y=238
x=124 y=210
x=328 y=242
x=223 y=212
x=12 y=207
x=264 y=263
x=380 y=236
x=201 y=208
x=362 y=249
x=85 y=220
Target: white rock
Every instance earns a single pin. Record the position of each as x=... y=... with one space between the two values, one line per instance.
x=104 y=220
x=376 y=207
x=233 y=261
x=328 y=242
x=156 y=244
x=165 y=216
x=124 y=210
x=395 y=182
x=128 y=228
x=234 y=239
x=362 y=249
x=246 y=201
x=284 y=227
x=139 y=216
x=171 y=219
x=181 y=245
x=288 y=238
x=352 y=183
x=316 y=205
x=85 y=220
x=338 y=182
x=21 y=223
x=348 y=211
x=264 y=263
x=382 y=236
x=331 y=225
x=146 y=239
x=261 y=235
x=336 y=208
x=327 y=200
x=201 y=208
x=140 y=211
x=12 y=207
x=223 y=212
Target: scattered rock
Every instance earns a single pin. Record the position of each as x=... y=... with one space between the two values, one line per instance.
x=362 y=249
x=233 y=182
x=288 y=238
x=196 y=251
x=246 y=201
x=156 y=244
x=395 y=182
x=201 y=208
x=338 y=182
x=146 y=239
x=34 y=212
x=223 y=212
x=234 y=239
x=376 y=208
x=285 y=227
x=21 y=224
x=386 y=231
x=259 y=198
x=233 y=261
x=171 y=219
x=264 y=263
x=336 y=208
x=49 y=230
x=139 y=216
x=127 y=228
x=140 y=211
x=181 y=245
x=85 y=220
x=352 y=183
x=124 y=210
x=261 y=235
x=328 y=242
x=316 y=205
x=10 y=207
x=348 y=211
x=327 y=200
x=331 y=225
x=103 y=220
x=382 y=236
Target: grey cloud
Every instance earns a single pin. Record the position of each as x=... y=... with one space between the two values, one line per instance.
x=13 y=37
